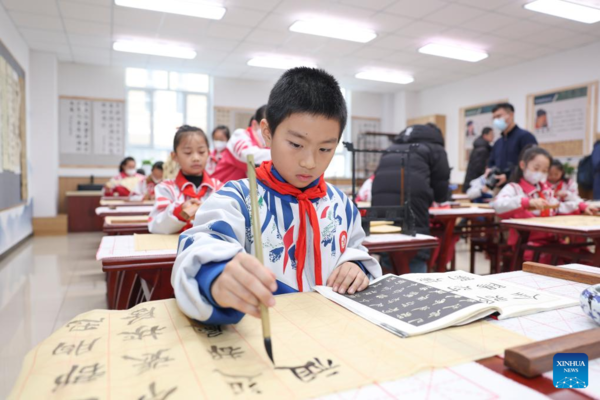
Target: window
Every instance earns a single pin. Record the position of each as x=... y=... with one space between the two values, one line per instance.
x=157 y=103
x=341 y=164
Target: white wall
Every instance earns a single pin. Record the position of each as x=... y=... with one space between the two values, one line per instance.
x=82 y=80
x=367 y=104
x=514 y=83
x=91 y=81
x=15 y=223
x=44 y=133
x=240 y=93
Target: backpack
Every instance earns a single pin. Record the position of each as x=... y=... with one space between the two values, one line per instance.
x=585 y=173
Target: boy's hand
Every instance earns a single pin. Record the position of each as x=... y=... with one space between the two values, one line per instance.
x=244 y=284
x=538 y=204
x=348 y=277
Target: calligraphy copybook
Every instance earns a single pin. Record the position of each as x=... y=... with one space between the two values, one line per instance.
x=414 y=304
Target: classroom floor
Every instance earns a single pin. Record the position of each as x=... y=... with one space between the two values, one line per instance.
x=47 y=281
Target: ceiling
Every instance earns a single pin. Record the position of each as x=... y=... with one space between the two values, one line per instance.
x=82 y=31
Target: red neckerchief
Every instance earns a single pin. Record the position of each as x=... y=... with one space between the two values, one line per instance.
x=524 y=184
x=188 y=188
x=264 y=175
x=559 y=186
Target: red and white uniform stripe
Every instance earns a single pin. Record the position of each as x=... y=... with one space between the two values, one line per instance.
x=170 y=194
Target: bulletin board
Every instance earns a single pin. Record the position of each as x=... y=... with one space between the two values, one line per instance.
x=233 y=118
x=472 y=120
x=13 y=149
x=564 y=120
x=91 y=131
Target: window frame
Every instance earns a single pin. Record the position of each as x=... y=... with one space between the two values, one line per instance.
x=150 y=92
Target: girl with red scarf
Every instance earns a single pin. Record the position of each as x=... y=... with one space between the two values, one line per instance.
x=311 y=231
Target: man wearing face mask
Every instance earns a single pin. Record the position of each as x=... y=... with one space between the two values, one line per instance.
x=506 y=150
x=232 y=165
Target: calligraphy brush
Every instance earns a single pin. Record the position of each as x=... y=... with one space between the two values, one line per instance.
x=255 y=217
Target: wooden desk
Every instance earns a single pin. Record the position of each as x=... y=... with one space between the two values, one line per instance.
x=402 y=248
x=128 y=225
x=123 y=211
x=447 y=218
x=562 y=227
x=460 y=197
x=80 y=211
x=133 y=277
x=112 y=203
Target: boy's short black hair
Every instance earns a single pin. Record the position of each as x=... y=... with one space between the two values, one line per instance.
x=258 y=115
x=505 y=106
x=306 y=90
x=157 y=165
x=486 y=130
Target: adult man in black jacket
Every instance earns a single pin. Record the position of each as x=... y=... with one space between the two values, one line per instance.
x=428 y=175
x=480 y=154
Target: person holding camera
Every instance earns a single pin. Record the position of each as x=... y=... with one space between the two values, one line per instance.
x=506 y=150
x=478 y=160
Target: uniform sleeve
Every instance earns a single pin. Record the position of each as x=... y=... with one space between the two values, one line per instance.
x=355 y=251
x=572 y=204
x=240 y=146
x=509 y=201
x=475 y=187
x=218 y=234
x=165 y=215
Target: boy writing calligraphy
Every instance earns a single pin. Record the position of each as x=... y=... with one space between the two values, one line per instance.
x=311 y=231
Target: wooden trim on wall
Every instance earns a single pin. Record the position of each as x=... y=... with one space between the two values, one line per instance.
x=91 y=98
x=52 y=226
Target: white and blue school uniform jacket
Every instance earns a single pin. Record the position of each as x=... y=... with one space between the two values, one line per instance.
x=222 y=228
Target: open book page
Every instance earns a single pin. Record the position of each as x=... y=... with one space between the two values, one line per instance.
x=512 y=300
x=409 y=308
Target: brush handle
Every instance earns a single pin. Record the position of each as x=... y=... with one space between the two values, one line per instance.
x=258 y=248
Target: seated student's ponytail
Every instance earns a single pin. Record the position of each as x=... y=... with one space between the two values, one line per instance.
x=529 y=153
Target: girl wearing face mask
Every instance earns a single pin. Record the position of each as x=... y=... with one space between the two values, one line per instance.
x=529 y=195
x=566 y=190
x=220 y=137
x=128 y=183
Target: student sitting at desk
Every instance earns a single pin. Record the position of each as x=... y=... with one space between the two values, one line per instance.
x=220 y=137
x=155 y=177
x=178 y=200
x=232 y=165
x=564 y=187
x=311 y=231
x=127 y=183
x=529 y=195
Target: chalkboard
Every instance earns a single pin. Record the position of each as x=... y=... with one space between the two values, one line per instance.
x=13 y=150
x=92 y=131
